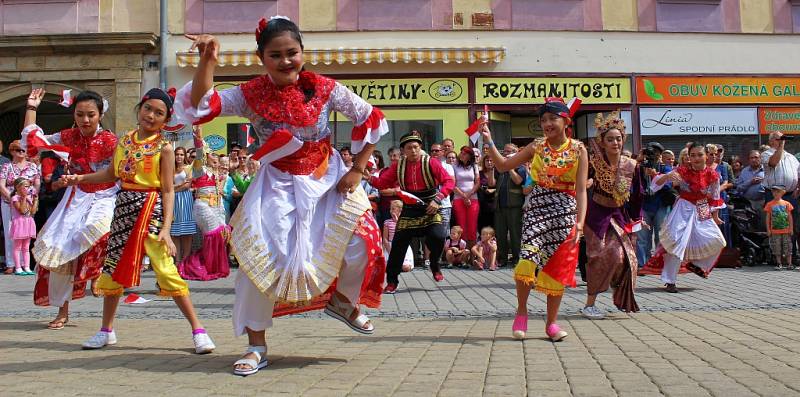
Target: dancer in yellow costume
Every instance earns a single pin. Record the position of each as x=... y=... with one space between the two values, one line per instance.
x=553 y=215
x=142 y=219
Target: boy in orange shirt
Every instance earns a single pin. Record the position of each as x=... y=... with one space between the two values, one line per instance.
x=779 y=228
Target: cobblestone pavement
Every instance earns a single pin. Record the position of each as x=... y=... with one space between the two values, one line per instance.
x=736 y=334
x=463 y=293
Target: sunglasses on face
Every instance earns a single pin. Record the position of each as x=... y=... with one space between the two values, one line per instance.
x=18 y=150
x=436 y=150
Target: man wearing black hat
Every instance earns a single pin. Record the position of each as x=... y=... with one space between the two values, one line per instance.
x=427 y=180
x=655 y=204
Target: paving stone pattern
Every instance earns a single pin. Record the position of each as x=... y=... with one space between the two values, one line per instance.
x=736 y=334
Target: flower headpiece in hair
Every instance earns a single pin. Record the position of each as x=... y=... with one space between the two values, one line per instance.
x=67 y=100
x=610 y=122
x=262 y=24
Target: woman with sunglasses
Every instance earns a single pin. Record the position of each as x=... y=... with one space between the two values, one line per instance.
x=19 y=167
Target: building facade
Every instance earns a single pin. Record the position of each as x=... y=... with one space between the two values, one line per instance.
x=435 y=65
x=109 y=46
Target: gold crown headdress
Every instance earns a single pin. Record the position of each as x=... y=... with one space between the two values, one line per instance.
x=612 y=121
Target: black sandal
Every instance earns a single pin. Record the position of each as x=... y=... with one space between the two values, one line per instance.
x=696 y=270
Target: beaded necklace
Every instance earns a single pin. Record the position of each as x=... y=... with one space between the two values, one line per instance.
x=135 y=152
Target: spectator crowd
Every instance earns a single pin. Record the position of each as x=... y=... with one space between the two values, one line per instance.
x=483 y=213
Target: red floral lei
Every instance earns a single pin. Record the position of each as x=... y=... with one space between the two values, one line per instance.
x=698 y=181
x=288 y=104
x=92 y=149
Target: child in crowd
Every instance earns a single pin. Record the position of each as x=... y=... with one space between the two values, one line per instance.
x=372 y=194
x=455 y=249
x=395 y=207
x=779 y=228
x=23 y=205
x=485 y=252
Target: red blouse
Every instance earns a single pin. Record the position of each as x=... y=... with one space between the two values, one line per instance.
x=84 y=150
x=413 y=178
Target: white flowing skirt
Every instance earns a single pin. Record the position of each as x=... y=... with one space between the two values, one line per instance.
x=290 y=232
x=689 y=238
x=75 y=226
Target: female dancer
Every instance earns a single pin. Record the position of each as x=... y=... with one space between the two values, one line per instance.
x=690 y=232
x=615 y=206
x=144 y=163
x=554 y=215
x=183 y=227
x=303 y=234
x=71 y=246
x=211 y=261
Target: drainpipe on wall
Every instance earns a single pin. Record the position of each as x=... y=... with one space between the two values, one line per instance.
x=162 y=43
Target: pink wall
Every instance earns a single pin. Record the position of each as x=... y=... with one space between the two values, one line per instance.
x=237 y=16
x=501 y=9
x=395 y=15
x=796 y=18
x=442 y=14
x=346 y=15
x=20 y=17
x=219 y=16
x=688 y=17
x=547 y=15
x=592 y=15
x=731 y=21
x=782 y=11
x=647 y=15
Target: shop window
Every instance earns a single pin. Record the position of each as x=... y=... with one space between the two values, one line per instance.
x=734 y=145
x=584 y=129
x=227 y=16
x=689 y=16
x=395 y=15
x=432 y=132
x=547 y=14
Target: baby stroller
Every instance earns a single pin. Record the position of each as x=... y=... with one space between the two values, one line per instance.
x=749 y=234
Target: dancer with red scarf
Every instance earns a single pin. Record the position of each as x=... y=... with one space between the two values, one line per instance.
x=554 y=213
x=303 y=234
x=71 y=246
x=690 y=233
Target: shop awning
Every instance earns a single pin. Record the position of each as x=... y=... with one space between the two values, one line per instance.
x=341 y=56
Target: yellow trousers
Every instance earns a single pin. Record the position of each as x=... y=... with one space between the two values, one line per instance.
x=169 y=281
x=525 y=271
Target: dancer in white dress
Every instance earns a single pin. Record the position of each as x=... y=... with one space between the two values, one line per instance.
x=691 y=232
x=71 y=246
x=211 y=261
x=303 y=234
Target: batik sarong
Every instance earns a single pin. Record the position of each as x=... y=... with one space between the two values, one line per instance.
x=612 y=262
x=548 y=228
x=136 y=214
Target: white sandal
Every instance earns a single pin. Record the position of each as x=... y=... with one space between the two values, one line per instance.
x=254 y=365
x=344 y=312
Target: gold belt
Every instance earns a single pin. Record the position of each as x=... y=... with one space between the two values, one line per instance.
x=211 y=199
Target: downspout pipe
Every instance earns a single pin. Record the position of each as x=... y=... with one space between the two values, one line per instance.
x=162 y=42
